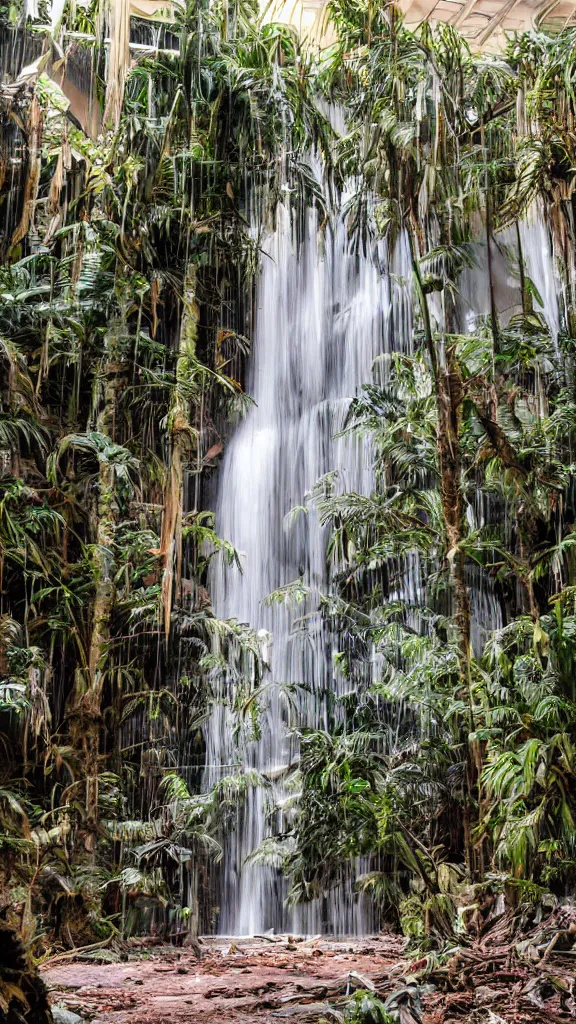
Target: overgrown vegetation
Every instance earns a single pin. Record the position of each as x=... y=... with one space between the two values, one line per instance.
x=125 y=286
x=457 y=764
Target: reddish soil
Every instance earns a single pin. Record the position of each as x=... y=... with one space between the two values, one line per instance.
x=488 y=981
x=246 y=982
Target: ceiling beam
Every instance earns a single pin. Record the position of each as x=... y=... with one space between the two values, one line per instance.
x=496 y=20
x=463 y=13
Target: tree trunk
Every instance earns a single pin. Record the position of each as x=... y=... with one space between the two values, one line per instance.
x=90 y=681
x=181 y=437
x=449 y=395
x=449 y=398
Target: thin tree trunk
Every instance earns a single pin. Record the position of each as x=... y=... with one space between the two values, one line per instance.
x=493 y=305
x=194 y=918
x=181 y=438
x=449 y=398
x=87 y=709
x=449 y=392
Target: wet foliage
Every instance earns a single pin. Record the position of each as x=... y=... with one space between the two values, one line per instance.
x=454 y=578
x=129 y=256
x=129 y=249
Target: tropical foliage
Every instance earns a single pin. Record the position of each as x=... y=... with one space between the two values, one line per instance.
x=458 y=762
x=128 y=260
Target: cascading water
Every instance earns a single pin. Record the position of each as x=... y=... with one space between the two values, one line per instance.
x=324 y=316
x=322 y=319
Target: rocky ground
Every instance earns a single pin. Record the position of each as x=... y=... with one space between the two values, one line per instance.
x=488 y=981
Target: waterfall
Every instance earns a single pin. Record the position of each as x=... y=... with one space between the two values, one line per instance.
x=324 y=315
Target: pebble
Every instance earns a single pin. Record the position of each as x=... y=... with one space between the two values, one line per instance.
x=62 y=1016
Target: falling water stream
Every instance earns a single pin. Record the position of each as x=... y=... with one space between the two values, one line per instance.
x=326 y=318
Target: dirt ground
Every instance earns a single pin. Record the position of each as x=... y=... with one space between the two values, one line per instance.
x=242 y=981
x=298 y=982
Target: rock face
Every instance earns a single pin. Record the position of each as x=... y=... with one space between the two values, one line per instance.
x=23 y=994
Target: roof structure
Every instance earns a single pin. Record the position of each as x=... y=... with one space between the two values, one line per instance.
x=484 y=23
